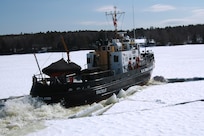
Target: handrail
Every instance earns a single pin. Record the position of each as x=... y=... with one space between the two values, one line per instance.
x=96 y=73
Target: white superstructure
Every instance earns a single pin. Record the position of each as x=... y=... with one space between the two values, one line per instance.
x=120 y=56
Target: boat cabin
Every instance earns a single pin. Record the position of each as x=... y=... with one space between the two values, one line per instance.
x=119 y=56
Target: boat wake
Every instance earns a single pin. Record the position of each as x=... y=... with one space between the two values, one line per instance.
x=23 y=115
x=26 y=114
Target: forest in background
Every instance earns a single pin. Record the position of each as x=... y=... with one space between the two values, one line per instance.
x=78 y=40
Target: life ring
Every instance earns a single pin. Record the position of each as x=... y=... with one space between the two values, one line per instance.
x=137 y=62
x=129 y=66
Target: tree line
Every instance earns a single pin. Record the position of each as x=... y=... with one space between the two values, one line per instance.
x=79 y=40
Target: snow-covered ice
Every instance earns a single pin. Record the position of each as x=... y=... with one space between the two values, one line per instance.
x=154 y=110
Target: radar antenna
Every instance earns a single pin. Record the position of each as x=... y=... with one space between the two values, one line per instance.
x=114 y=18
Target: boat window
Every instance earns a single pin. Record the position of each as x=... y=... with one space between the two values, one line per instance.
x=88 y=60
x=108 y=48
x=103 y=48
x=115 y=58
x=125 y=40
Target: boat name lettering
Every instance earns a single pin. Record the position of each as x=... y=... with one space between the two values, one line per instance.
x=146 y=69
x=101 y=91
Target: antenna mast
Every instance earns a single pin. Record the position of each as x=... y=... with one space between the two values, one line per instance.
x=114 y=17
x=133 y=8
x=66 y=49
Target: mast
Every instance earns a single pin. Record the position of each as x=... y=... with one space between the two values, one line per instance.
x=115 y=19
x=133 y=8
x=66 y=49
x=38 y=65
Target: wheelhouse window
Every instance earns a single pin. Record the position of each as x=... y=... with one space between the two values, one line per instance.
x=88 y=60
x=103 y=48
x=116 y=58
x=108 y=48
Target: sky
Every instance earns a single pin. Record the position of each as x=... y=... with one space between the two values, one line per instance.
x=33 y=16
